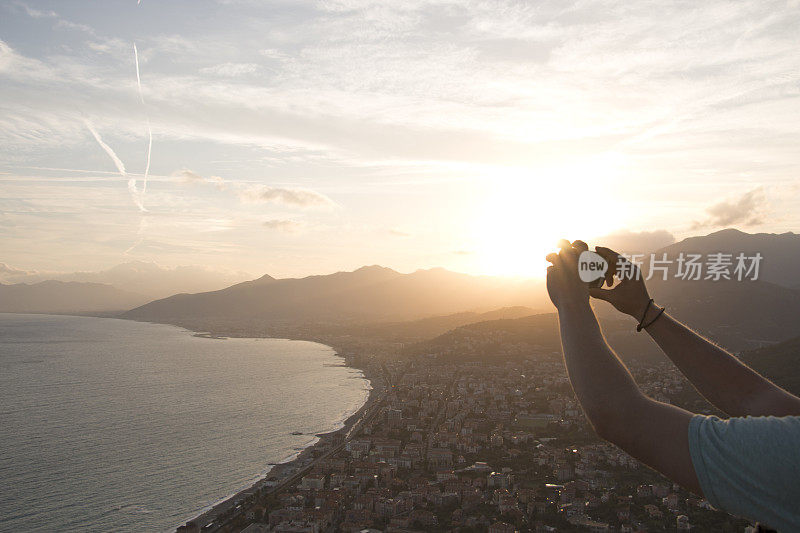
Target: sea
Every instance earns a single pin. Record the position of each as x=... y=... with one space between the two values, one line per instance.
x=115 y=425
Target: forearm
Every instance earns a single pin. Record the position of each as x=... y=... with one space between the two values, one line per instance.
x=718 y=375
x=653 y=432
x=602 y=383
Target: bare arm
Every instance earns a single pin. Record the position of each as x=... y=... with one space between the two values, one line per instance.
x=653 y=432
x=718 y=375
x=721 y=377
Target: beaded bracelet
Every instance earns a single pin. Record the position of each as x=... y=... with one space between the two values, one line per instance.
x=646 y=309
x=641 y=325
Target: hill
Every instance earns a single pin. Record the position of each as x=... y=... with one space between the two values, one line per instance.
x=495 y=339
x=379 y=304
x=781 y=252
x=531 y=335
x=779 y=362
x=741 y=315
x=61 y=297
x=430 y=327
x=738 y=316
x=140 y=277
x=367 y=295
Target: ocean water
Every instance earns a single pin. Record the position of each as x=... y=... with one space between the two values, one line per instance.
x=114 y=425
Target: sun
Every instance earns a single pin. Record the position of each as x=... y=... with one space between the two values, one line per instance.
x=526 y=213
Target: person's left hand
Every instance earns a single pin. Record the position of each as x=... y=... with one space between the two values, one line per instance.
x=563 y=284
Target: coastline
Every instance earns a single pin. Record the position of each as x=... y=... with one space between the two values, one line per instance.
x=319 y=433
x=281 y=474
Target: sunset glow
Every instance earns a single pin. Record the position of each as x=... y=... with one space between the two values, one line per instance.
x=305 y=138
x=529 y=211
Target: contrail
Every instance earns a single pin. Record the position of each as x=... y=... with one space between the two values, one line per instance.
x=138 y=78
x=118 y=163
x=149 y=129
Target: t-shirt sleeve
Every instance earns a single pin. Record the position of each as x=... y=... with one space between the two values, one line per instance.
x=750 y=466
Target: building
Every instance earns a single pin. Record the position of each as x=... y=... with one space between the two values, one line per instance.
x=440 y=458
x=533 y=421
x=502 y=527
x=313 y=482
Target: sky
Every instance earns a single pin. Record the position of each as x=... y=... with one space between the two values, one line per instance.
x=296 y=138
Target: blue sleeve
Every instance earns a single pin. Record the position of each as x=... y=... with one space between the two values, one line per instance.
x=750 y=466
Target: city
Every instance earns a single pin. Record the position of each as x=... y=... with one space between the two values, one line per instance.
x=500 y=446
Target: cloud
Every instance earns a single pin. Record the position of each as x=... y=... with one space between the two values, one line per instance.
x=15 y=64
x=290 y=197
x=230 y=69
x=462 y=252
x=6 y=56
x=258 y=194
x=747 y=210
x=60 y=22
x=398 y=233
x=188 y=177
x=637 y=242
x=35 y=13
x=343 y=99
x=8 y=270
x=288 y=226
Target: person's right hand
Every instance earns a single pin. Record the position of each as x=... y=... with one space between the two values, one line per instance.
x=630 y=296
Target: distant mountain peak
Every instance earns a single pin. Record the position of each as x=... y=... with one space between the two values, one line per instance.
x=728 y=231
x=56 y=296
x=780 y=251
x=374 y=268
x=373 y=292
x=438 y=271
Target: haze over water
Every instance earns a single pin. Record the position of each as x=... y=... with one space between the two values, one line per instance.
x=113 y=424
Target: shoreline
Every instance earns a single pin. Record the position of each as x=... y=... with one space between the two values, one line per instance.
x=280 y=474
x=272 y=477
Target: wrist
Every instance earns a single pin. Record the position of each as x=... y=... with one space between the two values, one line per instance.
x=652 y=313
x=643 y=306
x=575 y=307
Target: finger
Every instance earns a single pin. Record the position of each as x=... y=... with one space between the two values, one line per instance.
x=568 y=256
x=602 y=294
x=580 y=246
x=608 y=254
x=553 y=258
x=567 y=252
x=564 y=243
x=613 y=259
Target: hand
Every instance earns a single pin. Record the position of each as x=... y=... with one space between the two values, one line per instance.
x=563 y=284
x=630 y=296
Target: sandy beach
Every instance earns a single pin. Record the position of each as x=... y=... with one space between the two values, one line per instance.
x=282 y=474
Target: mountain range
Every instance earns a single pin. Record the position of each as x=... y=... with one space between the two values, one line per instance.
x=147 y=279
x=103 y=292
x=67 y=297
x=378 y=301
x=781 y=252
x=382 y=304
x=369 y=294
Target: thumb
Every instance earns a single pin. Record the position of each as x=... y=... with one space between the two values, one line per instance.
x=602 y=294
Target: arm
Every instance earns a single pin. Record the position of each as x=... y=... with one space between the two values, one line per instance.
x=654 y=433
x=719 y=376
